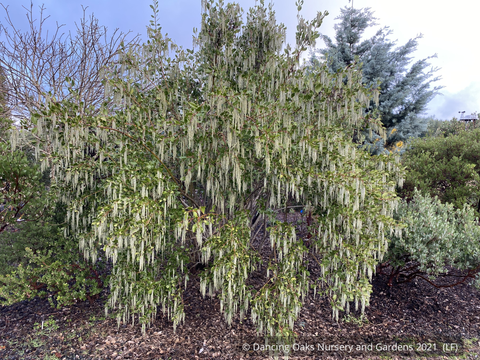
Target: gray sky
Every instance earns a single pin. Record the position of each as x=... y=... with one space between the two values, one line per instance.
x=447 y=31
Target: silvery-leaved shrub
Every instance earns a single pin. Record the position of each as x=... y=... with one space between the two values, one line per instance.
x=440 y=243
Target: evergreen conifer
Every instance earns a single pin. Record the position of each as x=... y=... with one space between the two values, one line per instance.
x=404 y=91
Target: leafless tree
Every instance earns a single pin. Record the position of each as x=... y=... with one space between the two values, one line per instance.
x=4 y=108
x=37 y=63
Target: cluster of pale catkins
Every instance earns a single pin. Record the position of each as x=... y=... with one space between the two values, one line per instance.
x=299 y=153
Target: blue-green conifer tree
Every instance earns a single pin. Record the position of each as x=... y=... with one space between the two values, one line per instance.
x=405 y=91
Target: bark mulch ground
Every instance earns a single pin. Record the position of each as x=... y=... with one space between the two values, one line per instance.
x=415 y=319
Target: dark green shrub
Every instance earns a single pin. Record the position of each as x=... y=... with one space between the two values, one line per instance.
x=42 y=235
x=441 y=128
x=23 y=191
x=34 y=235
x=56 y=269
x=36 y=259
x=447 y=167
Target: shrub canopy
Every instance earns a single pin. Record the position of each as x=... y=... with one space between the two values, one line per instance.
x=197 y=146
x=438 y=240
x=447 y=167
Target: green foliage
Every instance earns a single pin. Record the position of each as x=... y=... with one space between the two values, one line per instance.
x=437 y=237
x=36 y=259
x=360 y=321
x=404 y=92
x=46 y=327
x=34 y=235
x=447 y=167
x=440 y=128
x=23 y=193
x=54 y=271
x=197 y=146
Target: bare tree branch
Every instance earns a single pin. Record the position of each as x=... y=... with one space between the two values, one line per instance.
x=36 y=63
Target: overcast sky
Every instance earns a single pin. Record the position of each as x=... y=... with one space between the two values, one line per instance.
x=447 y=31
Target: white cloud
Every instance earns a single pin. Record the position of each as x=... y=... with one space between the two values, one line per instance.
x=447 y=106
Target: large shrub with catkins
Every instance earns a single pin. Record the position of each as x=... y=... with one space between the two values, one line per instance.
x=202 y=149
